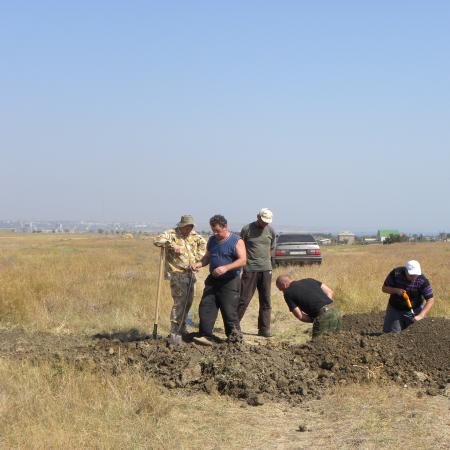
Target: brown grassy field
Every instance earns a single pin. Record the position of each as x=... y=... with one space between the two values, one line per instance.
x=87 y=284
x=95 y=283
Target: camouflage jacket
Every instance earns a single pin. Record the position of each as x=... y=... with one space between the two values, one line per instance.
x=193 y=247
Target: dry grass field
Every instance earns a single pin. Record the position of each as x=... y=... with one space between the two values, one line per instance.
x=80 y=285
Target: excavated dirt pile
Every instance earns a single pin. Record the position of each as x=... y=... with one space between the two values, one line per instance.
x=418 y=357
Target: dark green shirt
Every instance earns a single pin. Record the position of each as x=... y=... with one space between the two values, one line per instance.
x=258 y=243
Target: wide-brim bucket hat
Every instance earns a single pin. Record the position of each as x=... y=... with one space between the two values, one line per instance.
x=185 y=221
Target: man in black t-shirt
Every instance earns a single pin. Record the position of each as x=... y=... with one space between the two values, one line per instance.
x=310 y=300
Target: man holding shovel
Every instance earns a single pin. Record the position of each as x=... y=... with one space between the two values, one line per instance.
x=183 y=247
x=411 y=297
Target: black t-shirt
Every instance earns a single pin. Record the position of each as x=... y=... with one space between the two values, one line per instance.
x=307 y=295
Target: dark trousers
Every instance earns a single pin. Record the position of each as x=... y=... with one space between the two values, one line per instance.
x=396 y=320
x=251 y=281
x=223 y=295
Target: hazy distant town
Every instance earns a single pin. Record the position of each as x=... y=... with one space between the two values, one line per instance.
x=69 y=226
x=324 y=238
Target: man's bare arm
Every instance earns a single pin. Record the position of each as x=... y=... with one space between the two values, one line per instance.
x=203 y=262
x=391 y=290
x=328 y=291
x=428 y=305
x=300 y=315
x=162 y=240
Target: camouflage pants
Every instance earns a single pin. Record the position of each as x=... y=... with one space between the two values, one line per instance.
x=183 y=297
x=329 y=322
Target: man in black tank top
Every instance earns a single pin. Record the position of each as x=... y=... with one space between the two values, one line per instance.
x=225 y=254
x=311 y=301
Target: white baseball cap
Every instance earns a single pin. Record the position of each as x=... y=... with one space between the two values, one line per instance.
x=413 y=267
x=265 y=215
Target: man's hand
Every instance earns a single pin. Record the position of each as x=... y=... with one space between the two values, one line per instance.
x=175 y=248
x=218 y=271
x=196 y=266
x=301 y=315
x=392 y=290
x=419 y=316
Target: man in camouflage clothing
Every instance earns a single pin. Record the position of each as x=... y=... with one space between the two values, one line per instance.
x=183 y=247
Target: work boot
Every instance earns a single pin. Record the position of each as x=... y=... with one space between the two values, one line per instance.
x=265 y=334
x=235 y=337
x=203 y=340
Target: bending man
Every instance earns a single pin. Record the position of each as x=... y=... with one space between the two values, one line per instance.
x=311 y=301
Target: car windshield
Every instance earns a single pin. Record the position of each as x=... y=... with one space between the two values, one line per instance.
x=286 y=238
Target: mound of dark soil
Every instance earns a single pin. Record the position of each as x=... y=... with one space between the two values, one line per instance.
x=418 y=357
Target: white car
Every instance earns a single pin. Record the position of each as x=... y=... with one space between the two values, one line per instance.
x=296 y=248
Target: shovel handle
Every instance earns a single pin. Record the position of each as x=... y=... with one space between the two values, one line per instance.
x=158 y=292
x=407 y=299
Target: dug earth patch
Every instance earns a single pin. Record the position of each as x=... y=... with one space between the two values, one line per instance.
x=416 y=358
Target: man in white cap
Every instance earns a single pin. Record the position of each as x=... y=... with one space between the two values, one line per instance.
x=409 y=279
x=259 y=238
x=184 y=247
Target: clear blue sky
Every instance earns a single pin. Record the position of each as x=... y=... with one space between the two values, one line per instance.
x=336 y=115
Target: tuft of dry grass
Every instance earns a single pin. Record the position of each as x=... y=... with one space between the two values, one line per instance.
x=60 y=407
x=376 y=417
x=75 y=284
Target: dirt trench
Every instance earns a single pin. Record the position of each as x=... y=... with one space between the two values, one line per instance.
x=416 y=358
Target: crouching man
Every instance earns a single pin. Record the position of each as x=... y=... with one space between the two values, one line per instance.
x=311 y=301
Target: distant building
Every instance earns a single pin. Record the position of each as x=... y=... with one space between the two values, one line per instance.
x=346 y=237
x=382 y=235
x=370 y=240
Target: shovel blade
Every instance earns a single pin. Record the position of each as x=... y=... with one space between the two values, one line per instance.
x=175 y=339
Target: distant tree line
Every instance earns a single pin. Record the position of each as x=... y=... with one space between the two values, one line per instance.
x=392 y=238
